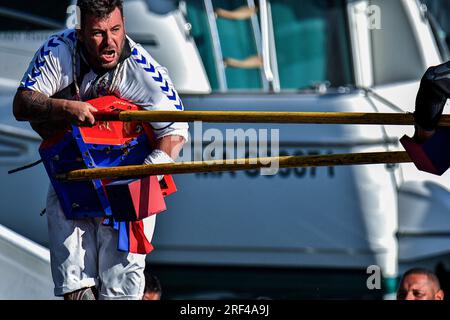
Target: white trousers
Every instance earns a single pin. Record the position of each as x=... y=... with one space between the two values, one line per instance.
x=84 y=254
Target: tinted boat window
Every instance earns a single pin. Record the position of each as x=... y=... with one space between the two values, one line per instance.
x=311 y=43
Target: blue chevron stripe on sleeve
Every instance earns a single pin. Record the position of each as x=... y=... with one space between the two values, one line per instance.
x=159 y=78
x=29 y=82
x=35 y=73
x=52 y=43
x=150 y=69
x=142 y=60
x=44 y=53
x=180 y=106
x=165 y=88
x=173 y=97
x=40 y=61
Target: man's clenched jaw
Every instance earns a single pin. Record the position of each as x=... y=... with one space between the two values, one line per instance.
x=103 y=39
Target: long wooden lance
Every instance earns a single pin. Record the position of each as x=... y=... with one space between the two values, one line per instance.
x=265 y=117
x=236 y=165
x=250 y=163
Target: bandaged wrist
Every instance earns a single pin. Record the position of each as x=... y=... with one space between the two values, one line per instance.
x=156 y=157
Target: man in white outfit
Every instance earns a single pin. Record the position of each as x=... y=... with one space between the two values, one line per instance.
x=75 y=66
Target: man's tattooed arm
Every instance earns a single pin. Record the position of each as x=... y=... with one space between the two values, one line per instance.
x=31 y=105
x=36 y=107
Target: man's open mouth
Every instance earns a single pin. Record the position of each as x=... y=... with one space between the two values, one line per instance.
x=108 y=55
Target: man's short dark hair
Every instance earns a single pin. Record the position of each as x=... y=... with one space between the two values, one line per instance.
x=98 y=8
x=430 y=274
x=152 y=283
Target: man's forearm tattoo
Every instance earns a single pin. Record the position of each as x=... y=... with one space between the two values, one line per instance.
x=35 y=106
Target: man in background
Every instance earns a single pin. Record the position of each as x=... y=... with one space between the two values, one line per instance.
x=152 y=289
x=419 y=284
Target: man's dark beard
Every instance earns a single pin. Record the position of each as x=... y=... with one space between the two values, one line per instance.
x=99 y=67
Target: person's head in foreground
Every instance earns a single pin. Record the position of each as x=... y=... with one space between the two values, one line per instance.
x=419 y=284
x=152 y=287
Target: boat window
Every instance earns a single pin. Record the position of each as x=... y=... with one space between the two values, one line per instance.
x=312 y=43
x=236 y=41
x=396 y=55
x=438 y=14
x=310 y=38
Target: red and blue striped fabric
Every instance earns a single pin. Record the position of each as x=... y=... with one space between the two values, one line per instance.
x=132 y=236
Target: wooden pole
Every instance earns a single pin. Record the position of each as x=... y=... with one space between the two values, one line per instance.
x=236 y=165
x=265 y=117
